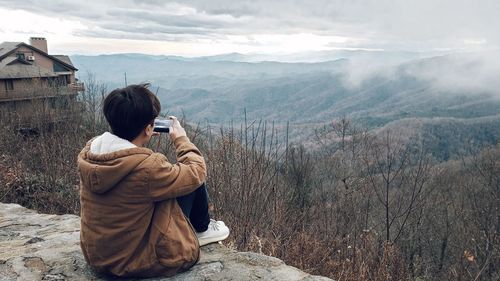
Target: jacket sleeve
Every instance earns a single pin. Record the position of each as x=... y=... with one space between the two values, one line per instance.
x=168 y=180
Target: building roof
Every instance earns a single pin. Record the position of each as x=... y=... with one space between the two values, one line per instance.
x=12 y=68
x=64 y=58
x=12 y=60
x=6 y=48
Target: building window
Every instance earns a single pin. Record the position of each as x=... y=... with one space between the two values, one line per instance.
x=61 y=81
x=59 y=68
x=20 y=56
x=9 y=85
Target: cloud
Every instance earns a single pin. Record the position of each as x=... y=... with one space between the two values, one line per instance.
x=467 y=73
x=461 y=73
x=417 y=25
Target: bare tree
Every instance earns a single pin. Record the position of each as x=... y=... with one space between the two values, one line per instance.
x=398 y=177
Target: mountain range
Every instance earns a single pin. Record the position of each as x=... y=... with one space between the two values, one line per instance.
x=379 y=90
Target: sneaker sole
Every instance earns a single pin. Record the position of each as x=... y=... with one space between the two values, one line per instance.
x=206 y=241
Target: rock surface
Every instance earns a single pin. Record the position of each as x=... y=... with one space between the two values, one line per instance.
x=46 y=247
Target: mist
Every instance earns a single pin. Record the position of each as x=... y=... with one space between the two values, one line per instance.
x=469 y=73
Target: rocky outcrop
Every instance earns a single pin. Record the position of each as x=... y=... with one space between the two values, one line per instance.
x=46 y=247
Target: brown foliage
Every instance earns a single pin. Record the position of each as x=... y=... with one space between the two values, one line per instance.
x=362 y=208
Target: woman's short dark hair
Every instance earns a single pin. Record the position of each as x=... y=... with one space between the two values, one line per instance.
x=129 y=110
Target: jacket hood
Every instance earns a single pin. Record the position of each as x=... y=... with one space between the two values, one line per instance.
x=106 y=160
x=107 y=143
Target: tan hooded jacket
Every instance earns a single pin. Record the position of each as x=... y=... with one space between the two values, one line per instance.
x=131 y=224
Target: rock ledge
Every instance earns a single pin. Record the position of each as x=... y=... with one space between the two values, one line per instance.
x=46 y=247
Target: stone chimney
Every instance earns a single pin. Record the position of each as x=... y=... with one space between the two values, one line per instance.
x=39 y=43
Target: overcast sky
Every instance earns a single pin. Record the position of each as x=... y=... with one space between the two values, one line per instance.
x=206 y=27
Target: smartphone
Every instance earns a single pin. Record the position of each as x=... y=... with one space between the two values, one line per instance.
x=162 y=125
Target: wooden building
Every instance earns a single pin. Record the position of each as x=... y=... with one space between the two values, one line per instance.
x=35 y=87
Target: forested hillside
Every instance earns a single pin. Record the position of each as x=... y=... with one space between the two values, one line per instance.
x=387 y=174
x=451 y=99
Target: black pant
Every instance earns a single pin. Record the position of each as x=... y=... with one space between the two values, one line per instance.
x=195 y=207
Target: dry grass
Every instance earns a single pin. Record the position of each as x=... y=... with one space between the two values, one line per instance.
x=316 y=210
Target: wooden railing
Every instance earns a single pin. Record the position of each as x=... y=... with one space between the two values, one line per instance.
x=28 y=94
x=77 y=86
x=43 y=117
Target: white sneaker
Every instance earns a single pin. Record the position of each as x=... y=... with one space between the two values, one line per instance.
x=217 y=231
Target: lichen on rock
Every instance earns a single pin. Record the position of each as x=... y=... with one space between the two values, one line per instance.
x=46 y=247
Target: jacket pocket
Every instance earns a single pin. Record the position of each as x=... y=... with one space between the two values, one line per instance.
x=177 y=245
